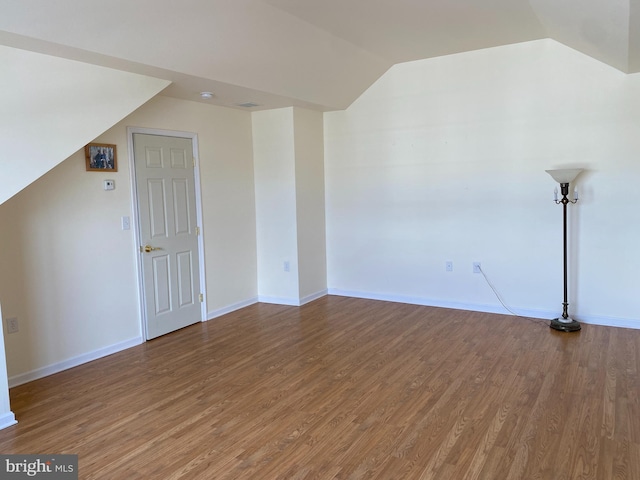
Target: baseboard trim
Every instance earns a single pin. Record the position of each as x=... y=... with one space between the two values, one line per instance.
x=231 y=308
x=608 y=321
x=293 y=302
x=430 y=302
x=22 y=378
x=313 y=296
x=7 y=420
x=530 y=313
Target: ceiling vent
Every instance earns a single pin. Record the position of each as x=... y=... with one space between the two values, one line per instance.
x=247 y=105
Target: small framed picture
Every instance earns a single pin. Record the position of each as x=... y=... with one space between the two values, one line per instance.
x=101 y=157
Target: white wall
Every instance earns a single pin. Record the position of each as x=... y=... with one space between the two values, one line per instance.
x=67 y=270
x=289 y=185
x=275 y=187
x=310 y=217
x=52 y=106
x=443 y=160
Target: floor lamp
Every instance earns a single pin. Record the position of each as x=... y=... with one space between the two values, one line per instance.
x=564 y=177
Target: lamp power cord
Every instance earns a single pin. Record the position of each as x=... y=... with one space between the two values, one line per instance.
x=495 y=292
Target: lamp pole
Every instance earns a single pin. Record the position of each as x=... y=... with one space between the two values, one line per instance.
x=565 y=323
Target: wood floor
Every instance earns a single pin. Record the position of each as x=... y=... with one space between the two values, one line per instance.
x=347 y=389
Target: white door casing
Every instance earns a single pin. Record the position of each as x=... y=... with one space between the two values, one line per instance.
x=167 y=210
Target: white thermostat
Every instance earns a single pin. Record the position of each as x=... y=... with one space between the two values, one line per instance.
x=109 y=184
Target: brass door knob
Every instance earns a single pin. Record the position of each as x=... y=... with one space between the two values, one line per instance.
x=149 y=248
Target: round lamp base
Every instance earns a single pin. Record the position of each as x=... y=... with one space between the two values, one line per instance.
x=565 y=325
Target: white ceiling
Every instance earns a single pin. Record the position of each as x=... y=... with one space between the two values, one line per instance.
x=319 y=54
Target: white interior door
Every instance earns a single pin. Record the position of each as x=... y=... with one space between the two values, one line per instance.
x=165 y=182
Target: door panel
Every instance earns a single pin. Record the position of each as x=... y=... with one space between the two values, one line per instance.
x=161 y=284
x=185 y=274
x=179 y=158
x=165 y=182
x=181 y=206
x=157 y=212
x=153 y=156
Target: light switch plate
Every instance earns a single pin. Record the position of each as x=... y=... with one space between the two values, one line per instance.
x=109 y=184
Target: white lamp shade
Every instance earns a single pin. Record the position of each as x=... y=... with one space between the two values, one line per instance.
x=564 y=175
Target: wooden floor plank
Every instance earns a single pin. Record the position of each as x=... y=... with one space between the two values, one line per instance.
x=346 y=388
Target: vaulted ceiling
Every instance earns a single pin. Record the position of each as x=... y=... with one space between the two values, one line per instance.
x=319 y=54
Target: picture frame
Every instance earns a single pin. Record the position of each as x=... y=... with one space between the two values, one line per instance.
x=101 y=157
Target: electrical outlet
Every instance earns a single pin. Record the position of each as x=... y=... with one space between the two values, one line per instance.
x=12 y=325
x=286 y=267
x=449 y=266
x=476 y=267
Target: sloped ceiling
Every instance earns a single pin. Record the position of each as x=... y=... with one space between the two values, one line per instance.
x=50 y=109
x=319 y=54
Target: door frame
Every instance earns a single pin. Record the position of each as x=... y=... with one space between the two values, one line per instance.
x=136 y=218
